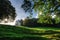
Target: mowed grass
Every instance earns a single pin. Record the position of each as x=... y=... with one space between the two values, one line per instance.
x=28 y=33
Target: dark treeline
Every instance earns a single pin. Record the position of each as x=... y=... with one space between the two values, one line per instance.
x=42 y=25
x=33 y=23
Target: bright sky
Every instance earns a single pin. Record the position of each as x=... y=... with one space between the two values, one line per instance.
x=19 y=11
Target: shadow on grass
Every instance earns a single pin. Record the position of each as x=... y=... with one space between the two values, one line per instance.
x=23 y=38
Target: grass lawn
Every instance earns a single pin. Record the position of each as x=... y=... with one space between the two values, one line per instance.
x=27 y=33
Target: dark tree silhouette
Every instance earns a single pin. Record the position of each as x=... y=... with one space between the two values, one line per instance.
x=27 y=6
x=7 y=11
x=19 y=23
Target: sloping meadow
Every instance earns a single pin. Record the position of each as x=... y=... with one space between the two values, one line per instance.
x=27 y=33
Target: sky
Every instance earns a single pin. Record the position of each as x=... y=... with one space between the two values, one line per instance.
x=19 y=11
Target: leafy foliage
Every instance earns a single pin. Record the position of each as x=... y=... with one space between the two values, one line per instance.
x=7 y=11
x=45 y=19
x=19 y=22
x=47 y=7
x=30 y=22
x=27 y=6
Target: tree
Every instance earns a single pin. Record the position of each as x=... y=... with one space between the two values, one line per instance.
x=27 y=6
x=47 y=8
x=19 y=23
x=7 y=11
x=30 y=22
x=26 y=21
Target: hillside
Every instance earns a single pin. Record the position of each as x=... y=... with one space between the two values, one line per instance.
x=27 y=33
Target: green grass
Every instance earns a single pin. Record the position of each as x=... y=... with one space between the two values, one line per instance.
x=27 y=33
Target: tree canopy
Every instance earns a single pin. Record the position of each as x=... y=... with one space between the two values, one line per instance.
x=27 y=6
x=50 y=10
x=7 y=11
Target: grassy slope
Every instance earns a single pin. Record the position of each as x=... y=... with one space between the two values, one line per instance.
x=27 y=33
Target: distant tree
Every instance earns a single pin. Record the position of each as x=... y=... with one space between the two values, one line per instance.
x=25 y=22
x=30 y=22
x=19 y=23
x=7 y=11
